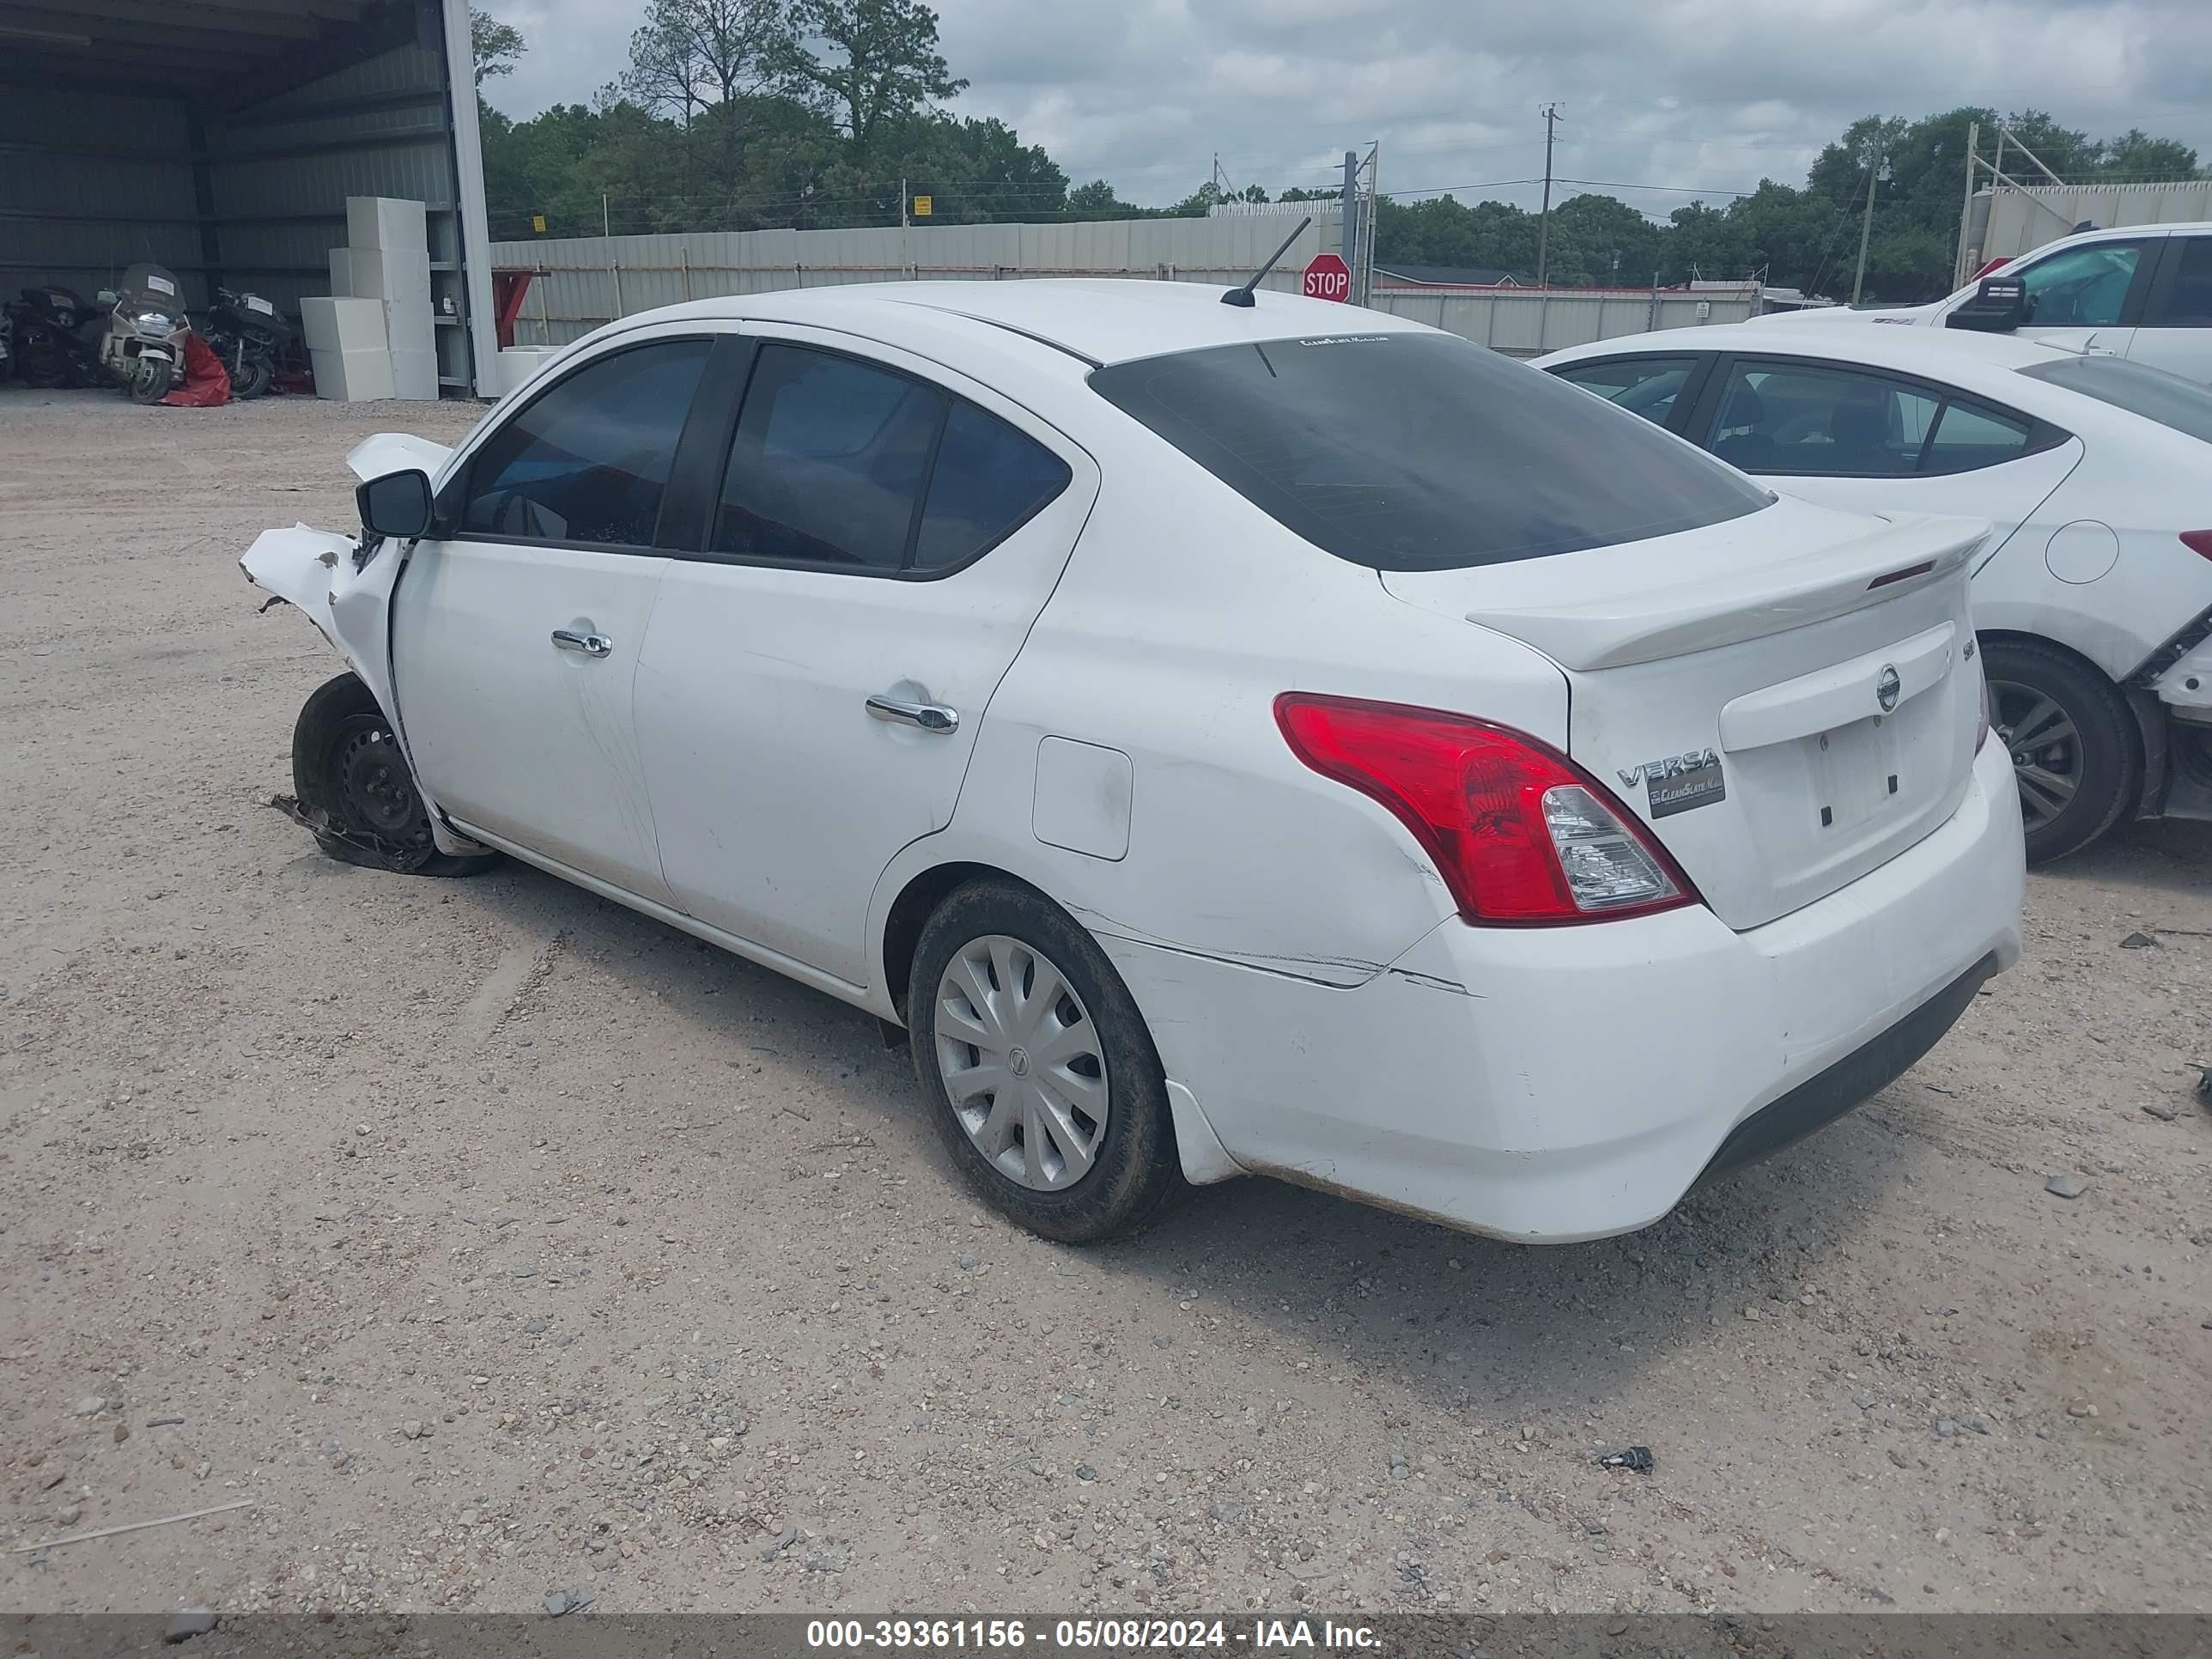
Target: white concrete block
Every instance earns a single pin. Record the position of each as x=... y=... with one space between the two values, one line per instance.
x=385 y=222
x=352 y=377
x=341 y=273
x=415 y=375
x=334 y=323
x=518 y=363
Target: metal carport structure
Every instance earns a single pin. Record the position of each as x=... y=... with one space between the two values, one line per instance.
x=222 y=137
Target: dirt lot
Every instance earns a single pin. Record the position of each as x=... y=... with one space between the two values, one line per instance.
x=495 y=1241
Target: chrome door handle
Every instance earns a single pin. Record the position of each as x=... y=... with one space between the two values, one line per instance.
x=592 y=645
x=929 y=716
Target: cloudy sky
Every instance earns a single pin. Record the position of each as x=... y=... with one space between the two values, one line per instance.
x=1701 y=97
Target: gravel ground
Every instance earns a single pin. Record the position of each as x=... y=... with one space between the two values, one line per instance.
x=493 y=1243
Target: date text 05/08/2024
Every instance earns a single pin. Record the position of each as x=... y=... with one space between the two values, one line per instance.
x=1076 y=1635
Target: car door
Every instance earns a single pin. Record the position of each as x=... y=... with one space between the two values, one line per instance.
x=2087 y=298
x=2175 y=333
x=1871 y=442
x=517 y=632
x=883 y=535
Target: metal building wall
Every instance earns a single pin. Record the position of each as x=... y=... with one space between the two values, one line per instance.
x=91 y=182
x=586 y=281
x=2011 y=222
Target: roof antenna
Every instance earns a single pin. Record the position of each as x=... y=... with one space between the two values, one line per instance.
x=1242 y=297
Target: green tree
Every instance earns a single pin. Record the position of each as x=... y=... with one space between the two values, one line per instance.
x=878 y=61
x=2136 y=154
x=494 y=45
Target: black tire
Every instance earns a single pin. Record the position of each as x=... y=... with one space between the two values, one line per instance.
x=1133 y=1167
x=149 y=380
x=252 y=378
x=42 y=364
x=2096 y=749
x=349 y=776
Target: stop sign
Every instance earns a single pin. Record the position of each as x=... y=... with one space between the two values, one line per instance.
x=1327 y=278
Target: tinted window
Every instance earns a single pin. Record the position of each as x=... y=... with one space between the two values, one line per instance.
x=2187 y=302
x=829 y=462
x=1797 y=418
x=2083 y=286
x=1968 y=436
x=2150 y=393
x=1421 y=452
x=589 y=459
x=988 y=481
x=1644 y=385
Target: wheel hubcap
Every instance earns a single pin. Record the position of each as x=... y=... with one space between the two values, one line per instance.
x=1021 y=1063
x=2046 y=749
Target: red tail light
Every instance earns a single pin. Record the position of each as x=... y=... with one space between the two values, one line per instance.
x=1522 y=835
x=2198 y=541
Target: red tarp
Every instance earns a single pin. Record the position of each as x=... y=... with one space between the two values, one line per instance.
x=207 y=383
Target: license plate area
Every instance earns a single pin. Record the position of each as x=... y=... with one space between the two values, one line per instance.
x=1858 y=773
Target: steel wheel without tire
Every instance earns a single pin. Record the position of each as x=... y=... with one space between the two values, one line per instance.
x=1048 y=1092
x=353 y=781
x=2074 y=750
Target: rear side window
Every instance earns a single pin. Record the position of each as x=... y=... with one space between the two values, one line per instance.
x=2187 y=300
x=2141 y=390
x=1643 y=386
x=1967 y=437
x=1422 y=452
x=829 y=462
x=589 y=461
x=988 y=481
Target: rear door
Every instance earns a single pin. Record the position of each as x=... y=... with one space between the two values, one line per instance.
x=1869 y=440
x=516 y=636
x=2175 y=333
x=884 y=534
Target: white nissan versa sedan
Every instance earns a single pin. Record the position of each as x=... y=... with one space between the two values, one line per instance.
x=1228 y=738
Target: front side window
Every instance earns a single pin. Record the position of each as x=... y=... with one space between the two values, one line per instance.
x=1796 y=418
x=1406 y=451
x=828 y=463
x=588 y=460
x=1643 y=386
x=2083 y=286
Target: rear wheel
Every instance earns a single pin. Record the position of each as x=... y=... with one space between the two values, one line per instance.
x=356 y=791
x=1043 y=1082
x=42 y=363
x=2073 y=743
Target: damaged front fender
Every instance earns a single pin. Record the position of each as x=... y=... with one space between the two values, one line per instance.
x=343 y=587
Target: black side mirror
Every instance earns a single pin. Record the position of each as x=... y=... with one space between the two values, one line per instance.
x=397 y=505
x=2000 y=305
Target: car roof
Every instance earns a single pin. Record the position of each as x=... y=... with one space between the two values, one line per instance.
x=1101 y=319
x=1929 y=351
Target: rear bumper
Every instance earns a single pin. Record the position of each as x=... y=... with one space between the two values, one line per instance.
x=1556 y=1085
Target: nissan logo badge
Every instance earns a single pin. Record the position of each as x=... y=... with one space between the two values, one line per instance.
x=1886 y=688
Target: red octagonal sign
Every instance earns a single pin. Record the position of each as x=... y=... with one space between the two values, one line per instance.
x=1327 y=278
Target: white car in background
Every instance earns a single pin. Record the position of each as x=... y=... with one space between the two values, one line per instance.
x=2140 y=292
x=2093 y=599
x=1252 y=737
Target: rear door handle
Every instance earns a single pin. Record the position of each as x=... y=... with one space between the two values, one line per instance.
x=929 y=716
x=592 y=645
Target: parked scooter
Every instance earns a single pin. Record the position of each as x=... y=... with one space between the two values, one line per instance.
x=244 y=331
x=53 y=346
x=143 y=349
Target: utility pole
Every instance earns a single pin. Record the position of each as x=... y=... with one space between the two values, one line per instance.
x=1968 y=255
x=1351 y=232
x=1866 y=226
x=1543 y=220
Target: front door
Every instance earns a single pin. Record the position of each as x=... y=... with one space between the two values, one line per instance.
x=2087 y=298
x=516 y=638
x=885 y=534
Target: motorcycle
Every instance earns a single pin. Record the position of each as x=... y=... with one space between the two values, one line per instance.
x=7 y=344
x=244 y=331
x=50 y=324
x=143 y=349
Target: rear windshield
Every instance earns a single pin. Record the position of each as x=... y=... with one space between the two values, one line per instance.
x=2141 y=390
x=1423 y=451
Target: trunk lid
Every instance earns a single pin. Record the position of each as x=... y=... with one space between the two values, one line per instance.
x=1787 y=700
